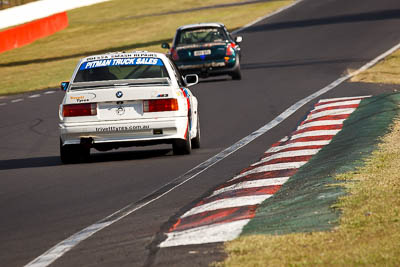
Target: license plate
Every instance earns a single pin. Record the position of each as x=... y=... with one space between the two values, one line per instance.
x=129 y=110
x=202 y=52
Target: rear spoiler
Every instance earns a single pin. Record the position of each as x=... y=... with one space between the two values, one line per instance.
x=116 y=83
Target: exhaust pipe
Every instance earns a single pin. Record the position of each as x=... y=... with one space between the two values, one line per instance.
x=87 y=142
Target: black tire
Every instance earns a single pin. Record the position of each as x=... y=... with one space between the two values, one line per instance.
x=236 y=74
x=182 y=146
x=196 y=140
x=73 y=153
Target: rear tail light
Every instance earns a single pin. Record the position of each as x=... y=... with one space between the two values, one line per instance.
x=230 y=49
x=158 y=105
x=73 y=110
x=174 y=54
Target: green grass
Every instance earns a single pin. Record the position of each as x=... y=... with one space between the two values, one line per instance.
x=387 y=71
x=117 y=25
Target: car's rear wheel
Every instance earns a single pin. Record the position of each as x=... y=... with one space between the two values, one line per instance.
x=73 y=153
x=236 y=74
x=182 y=146
x=196 y=140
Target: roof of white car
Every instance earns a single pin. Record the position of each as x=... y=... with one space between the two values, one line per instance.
x=200 y=25
x=132 y=54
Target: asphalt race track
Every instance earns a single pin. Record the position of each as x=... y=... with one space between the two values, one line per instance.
x=285 y=58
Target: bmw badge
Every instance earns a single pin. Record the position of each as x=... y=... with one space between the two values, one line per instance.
x=119 y=94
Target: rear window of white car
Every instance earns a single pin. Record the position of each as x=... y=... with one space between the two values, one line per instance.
x=121 y=69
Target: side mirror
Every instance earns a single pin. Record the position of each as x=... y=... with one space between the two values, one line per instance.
x=191 y=79
x=64 y=86
x=165 y=45
x=238 y=39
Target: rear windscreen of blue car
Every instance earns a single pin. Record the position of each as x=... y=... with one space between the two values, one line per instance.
x=202 y=35
x=121 y=69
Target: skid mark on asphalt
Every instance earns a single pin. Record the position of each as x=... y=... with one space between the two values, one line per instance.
x=222 y=215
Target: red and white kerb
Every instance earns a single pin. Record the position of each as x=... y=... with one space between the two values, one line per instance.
x=222 y=215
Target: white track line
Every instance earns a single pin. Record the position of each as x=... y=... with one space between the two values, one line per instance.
x=34 y=96
x=205 y=234
x=227 y=203
x=65 y=246
x=251 y=184
x=31 y=96
x=49 y=92
x=287 y=154
x=49 y=256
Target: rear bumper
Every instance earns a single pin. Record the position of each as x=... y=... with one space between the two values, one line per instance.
x=208 y=68
x=134 y=132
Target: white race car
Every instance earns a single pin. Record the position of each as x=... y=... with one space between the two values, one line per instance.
x=127 y=99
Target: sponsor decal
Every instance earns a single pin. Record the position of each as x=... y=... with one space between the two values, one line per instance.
x=121 y=55
x=82 y=98
x=186 y=94
x=129 y=128
x=162 y=95
x=121 y=62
